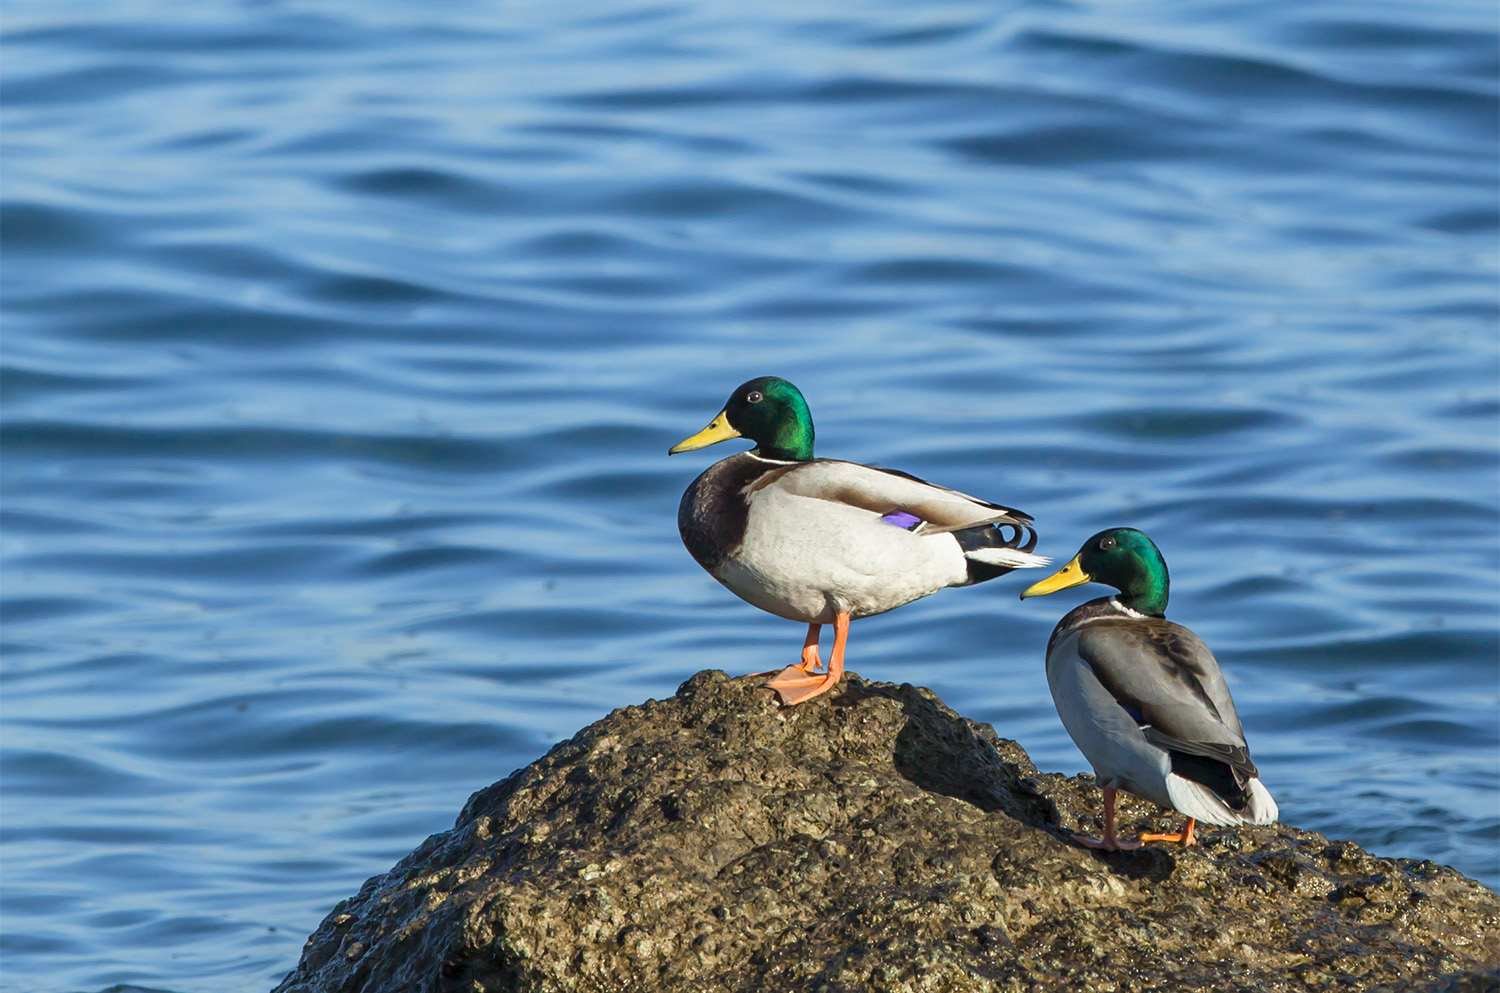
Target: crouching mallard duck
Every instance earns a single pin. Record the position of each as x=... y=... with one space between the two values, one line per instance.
x=825 y=542
x=1143 y=697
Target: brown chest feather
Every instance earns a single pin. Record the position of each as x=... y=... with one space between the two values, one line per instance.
x=713 y=511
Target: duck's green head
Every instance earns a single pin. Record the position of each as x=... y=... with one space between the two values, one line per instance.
x=770 y=412
x=1120 y=557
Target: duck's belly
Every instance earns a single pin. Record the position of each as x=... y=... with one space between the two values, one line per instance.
x=807 y=559
x=1103 y=730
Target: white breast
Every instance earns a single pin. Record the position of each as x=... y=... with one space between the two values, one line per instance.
x=805 y=559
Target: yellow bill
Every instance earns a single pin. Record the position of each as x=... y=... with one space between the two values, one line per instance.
x=718 y=430
x=1071 y=574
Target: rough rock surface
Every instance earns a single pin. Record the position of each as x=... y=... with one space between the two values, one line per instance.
x=870 y=840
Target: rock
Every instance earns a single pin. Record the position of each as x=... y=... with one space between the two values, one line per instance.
x=870 y=840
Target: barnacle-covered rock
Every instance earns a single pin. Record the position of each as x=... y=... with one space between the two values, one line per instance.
x=870 y=839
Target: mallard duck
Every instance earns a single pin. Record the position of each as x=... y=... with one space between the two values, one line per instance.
x=1143 y=698
x=825 y=542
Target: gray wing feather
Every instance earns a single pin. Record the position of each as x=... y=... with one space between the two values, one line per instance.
x=1168 y=679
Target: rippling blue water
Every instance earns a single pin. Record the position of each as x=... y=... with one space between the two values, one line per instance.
x=343 y=346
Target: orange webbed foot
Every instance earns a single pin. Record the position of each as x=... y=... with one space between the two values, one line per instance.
x=794 y=685
x=798 y=683
x=1107 y=844
x=1110 y=842
x=1185 y=837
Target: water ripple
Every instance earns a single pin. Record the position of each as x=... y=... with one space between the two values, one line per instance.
x=343 y=351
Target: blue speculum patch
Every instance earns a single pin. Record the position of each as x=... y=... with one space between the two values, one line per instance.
x=902 y=519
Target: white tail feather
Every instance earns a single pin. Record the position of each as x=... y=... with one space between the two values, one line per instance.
x=1012 y=557
x=1262 y=808
x=1198 y=801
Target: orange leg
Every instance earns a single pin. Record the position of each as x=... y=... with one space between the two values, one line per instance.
x=1109 y=842
x=797 y=683
x=810 y=661
x=1185 y=836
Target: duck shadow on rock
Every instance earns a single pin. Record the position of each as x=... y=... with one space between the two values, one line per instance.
x=995 y=775
x=940 y=752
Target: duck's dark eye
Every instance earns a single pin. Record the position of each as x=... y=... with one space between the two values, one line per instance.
x=1105 y=544
x=754 y=396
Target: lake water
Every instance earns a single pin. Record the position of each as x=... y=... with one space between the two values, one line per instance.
x=344 y=344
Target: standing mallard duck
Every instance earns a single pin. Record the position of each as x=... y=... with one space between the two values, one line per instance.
x=1143 y=698
x=824 y=542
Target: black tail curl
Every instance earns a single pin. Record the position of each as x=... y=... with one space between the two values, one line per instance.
x=1005 y=534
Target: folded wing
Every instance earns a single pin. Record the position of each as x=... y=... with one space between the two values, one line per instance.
x=1169 y=682
x=886 y=491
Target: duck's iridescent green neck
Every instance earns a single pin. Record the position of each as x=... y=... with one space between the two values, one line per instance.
x=792 y=442
x=1130 y=562
x=1146 y=591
